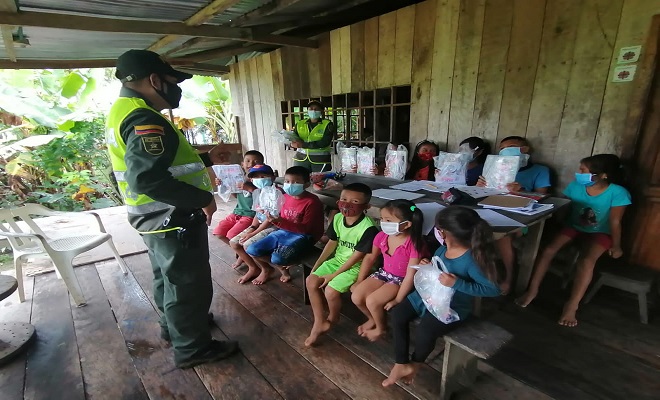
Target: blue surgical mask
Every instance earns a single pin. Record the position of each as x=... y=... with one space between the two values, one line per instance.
x=584 y=179
x=511 y=151
x=294 y=189
x=261 y=183
x=314 y=114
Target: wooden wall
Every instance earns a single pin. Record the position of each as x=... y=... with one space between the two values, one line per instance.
x=491 y=68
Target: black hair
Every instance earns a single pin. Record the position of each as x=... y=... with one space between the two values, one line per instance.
x=608 y=164
x=516 y=138
x=256 y=154
x=417 y=163
x=298 y=171
x=467 y=227
x=406 y=210
x=315 y=103
x=477 y=143
x=360 y=188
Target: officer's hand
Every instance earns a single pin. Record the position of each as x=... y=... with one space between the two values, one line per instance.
x=481 y=182
x=209 y=210
x=296 y=144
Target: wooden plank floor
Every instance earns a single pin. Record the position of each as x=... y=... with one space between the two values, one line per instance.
x=111 y=348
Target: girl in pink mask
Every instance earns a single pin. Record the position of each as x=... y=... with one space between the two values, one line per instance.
x=422 y=167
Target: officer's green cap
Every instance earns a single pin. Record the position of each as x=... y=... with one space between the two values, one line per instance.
x=138 y=64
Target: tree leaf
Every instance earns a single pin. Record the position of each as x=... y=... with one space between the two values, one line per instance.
x=72 y=84
x=66 y=126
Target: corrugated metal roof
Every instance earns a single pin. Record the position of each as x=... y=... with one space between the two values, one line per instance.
x=237 y=10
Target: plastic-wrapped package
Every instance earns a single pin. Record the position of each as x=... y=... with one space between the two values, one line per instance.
x=347 y=157
x=231 y=177
x=396 y=161
x=499 y=171
x=270 y=201
x=453 y=169
x=285 y=136
x=439 y=159
x=366 y=160
x=436 y=296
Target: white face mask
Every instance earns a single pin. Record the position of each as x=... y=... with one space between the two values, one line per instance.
x=391 y=228
x=438 y=236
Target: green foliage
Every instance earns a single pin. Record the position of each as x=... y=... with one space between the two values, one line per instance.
x=213 y=93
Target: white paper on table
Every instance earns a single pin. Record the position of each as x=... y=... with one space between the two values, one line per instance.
x=496 y=219
x=414 y=186
x=478 y=192
x=429 y=210
x=390 y=194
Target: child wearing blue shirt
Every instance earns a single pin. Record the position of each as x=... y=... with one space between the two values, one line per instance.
x=469 y=255
x=597 y=208
x=530 y=178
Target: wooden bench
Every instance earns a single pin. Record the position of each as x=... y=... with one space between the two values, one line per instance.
x=629 y=278
x=307 y=264
x=477 y=339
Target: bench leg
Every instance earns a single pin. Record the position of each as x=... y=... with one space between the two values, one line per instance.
x=592 y=292
x=643 y=308
x=306 y=271
x=459 y=368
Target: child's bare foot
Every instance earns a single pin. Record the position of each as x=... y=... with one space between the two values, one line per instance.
x=263 y=277
x=238 y=263
x=286 y=276
x=400 y=371
x=317 y=331
x=373 y=334
x=249 y=275
x=526 y=298
x=568 y=317
x=370 y=324
x=505 y=288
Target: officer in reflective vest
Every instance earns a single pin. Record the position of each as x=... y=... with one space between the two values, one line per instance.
x=168 y=196
x=316 y=133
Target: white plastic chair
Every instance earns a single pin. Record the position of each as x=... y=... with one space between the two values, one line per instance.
x=62 y=250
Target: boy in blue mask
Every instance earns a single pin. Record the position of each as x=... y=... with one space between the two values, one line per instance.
x=530 y=178
x=261 y=176
x=300 y=225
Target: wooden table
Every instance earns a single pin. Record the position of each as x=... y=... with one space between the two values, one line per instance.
x=14 y=336
x=534 y=223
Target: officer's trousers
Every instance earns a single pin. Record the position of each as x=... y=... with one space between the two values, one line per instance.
x=182 y=290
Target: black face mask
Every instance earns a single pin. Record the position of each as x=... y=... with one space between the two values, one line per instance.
x=173 y=95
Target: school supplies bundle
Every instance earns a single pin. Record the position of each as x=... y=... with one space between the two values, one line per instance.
x=285 y=137
x=516 y=204
x=451 y=168
x=366 y=160
x=436 y=296
x=326 y=180
x=271 y=200
x=396 y=161
x=499 y=171
x=347 y=158
x=231 y=180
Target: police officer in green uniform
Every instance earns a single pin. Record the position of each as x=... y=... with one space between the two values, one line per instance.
x=167 y=191
x=316 y=133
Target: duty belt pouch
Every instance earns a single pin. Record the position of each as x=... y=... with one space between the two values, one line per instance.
x=188 y=223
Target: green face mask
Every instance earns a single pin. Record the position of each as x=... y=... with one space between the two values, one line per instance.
x=314 y=114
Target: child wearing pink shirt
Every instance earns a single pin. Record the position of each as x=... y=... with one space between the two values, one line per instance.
x=402 y=245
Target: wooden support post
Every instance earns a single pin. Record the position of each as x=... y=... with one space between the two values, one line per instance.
x=459 y=368
x=531 y=249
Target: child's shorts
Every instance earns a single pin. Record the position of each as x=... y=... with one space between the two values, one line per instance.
x=285 y=247
x=386 y=277
x=232 y=225
x=255 y=238
x=602 y=239
x=341 y=282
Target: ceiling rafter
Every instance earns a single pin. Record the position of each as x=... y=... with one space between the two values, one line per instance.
x=8 y=6
x=101 y=63
x=203 y=15
x=96 y=24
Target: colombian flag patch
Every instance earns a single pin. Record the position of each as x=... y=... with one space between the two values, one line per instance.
x=149 y=129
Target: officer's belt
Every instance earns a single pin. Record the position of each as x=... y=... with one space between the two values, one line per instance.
x=176 y=170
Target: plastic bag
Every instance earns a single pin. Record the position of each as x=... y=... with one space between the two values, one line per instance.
x=231 y=177
x=436 y=296
x=499 y=171
x=453 y=168
x=366 y=160
x=270 y=201
x=396 y=161
x=347 y=157
x=285 y=136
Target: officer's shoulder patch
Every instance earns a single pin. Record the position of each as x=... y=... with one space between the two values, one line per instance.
x=149 y=129
x=153 y=145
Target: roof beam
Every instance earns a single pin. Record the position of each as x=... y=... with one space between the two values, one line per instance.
x=221 y=52
x=265 y=10
x=100 y=63
x=205 y=14
x=8 y=6
x=188 y=43
x=96 y=24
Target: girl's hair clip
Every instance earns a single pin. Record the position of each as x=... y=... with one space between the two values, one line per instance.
x=413 y=208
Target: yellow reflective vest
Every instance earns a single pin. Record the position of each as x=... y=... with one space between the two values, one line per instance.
x=316 y=134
